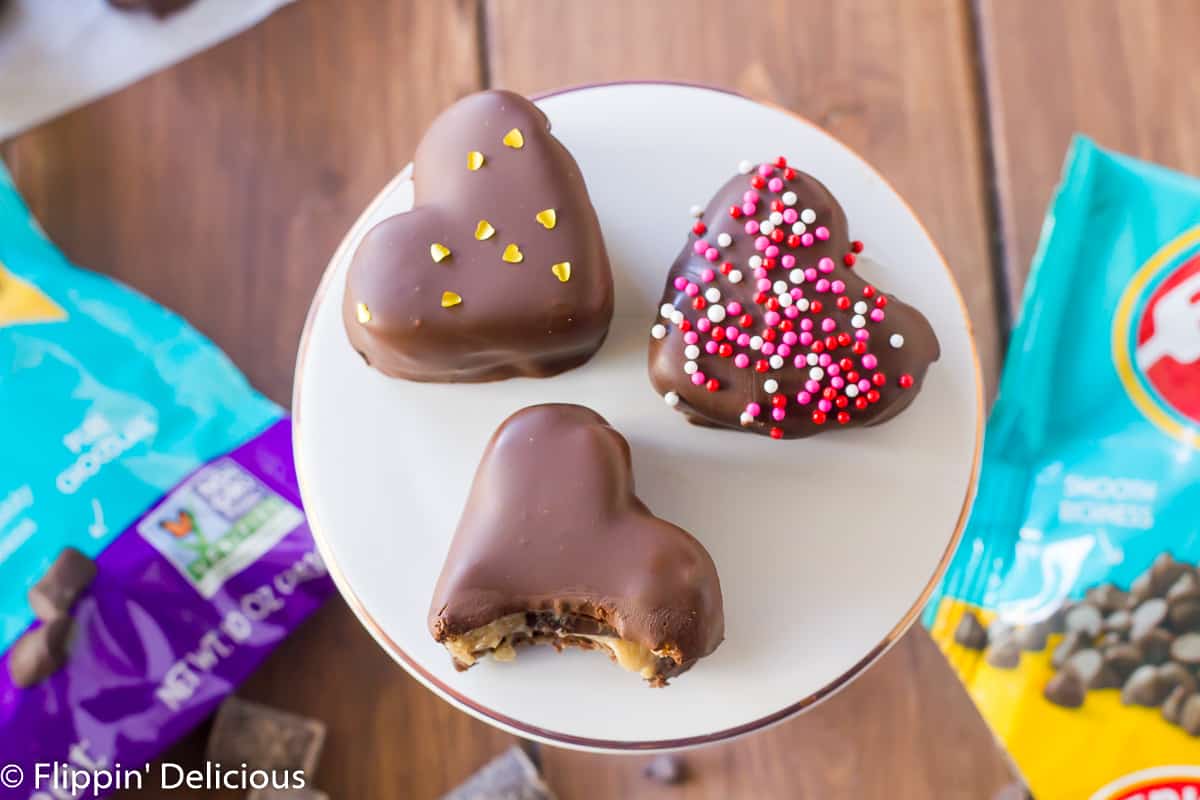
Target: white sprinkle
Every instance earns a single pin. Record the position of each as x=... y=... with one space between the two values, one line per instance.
x=785 y=300
x=746 y=419
x=696 y=211
x=756 y=343
x=776 y=361
x=808 y=216
x=671 y=399
x=799 y=228
x=755 y=262
x=658 y=331
x=802 y=304
x=770 y=386
x=776 y=218
x=691 y=352
x=812 y=359
x=780 y=287
x=816 y=373
x=716 y=313
x=858 y=320
x=851 y=390
x=735 y=276
x=860 y=307
x=789 y=198
x=796 y=275
x=897 y=341
x=676 y=317
x=712 y=294
x=667 y=310
x=744 y=167
x=724 y=239
x=690 y=367
x=765 y=227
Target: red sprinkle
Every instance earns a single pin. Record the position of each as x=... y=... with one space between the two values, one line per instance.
x=842 y=401
x=758 y=182
x=786 y=325
x=777 y=204
x=793 y=241
x=685 y=326
x=818 y=347
x=831 y=343
x=879 y=379
x=859 y=348
x=843 y=302
x=772 y=304
x=829 y=392
x=776 y=433
x=718 y=333
x=789 y=174
x=905 y=381
x=725 y=350
x=843 y=417
x=712 y=385
x=726 y=267
x=699 y=228
x=777 y=235
x=860 y=402
x=781 y=162
x=768 y=263
x=735 y=212
x=849 y=259
x=760 y=297
x=872 y=396
x=852 y=376
x=816 y=307
x=880 y=301
x=761 y=365
x=745 y=320
x=778 y=400
x=846 y=365
x=699 y=303
x=818 y=417
x=844 y=339
x=868 y=291
x=769 y=334
x=856 y=246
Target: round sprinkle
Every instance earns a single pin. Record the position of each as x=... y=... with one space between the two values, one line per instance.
x=658 y=331
x=696 y=211
x=766 y=227
x=808 y=216
x=712 y=294
x=484 y=230
x=858 y=321
x=780 y=287
x=438 y=252
x=514 y=139
x=735 y=276
x=724 y=239
x=666 y=310
x=364 y=313
x=512 y=254
x=860 y=307
x=548 y=217
x=776 y=361
x=851 y=391
x=896 y=341
x=691 y=352
x=690 y=367
x=789 y=198
x=450 y=299
x=562 y=271
x=799 y=228
x=785 y=300
x=812 y=359
x=475 y=160
x=716 y=313
x=745 y=167
x=816 y=373
x=756 y=342
x=771 y=386
x=776 y=218
x=671 y=399
x=755 y=261
x=676 y=317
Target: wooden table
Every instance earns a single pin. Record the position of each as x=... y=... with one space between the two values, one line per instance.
x=221 y=186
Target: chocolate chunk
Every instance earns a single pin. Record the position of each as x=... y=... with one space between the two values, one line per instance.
x=40 y=652
x=668 y=769
x=511 y=776
x=265 y=738
x=1184 y=614
x=1155 y=646
x=1071 y=644
x=1172 y=707
x=1189 y=715
x=1122 y=659
x=287 y=794
x=499 y=270
x=1106 y=597
x=55 y=594
x=1186 y=649
x=552 y=527
x=1144 y=688
x=1004 y=653
x=1146 y=617
x=1174 y=675
x=1065 y=689
x=1086 y=619
x=1058 y=620
x=970 y=633
x=890 y=365
x=1164 y=572
x=1119 y=622
x=1186 y=588
x=1089 y=666
x=1033 y=638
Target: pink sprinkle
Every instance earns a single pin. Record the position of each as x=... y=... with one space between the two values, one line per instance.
x=877 y=315
x=691 y=290
x=823 y=233
x=864 y=385
x=837 y=382
x=788 y=261
x=824 y=359
x=760 y=272
x=731 y=331
x=803 y=398
x=712 y=254
x=810 y=274
x=753 y=409
x=812 y=386
x=806 y=240
x=749 y=209
x=743 y=340
x=783 y=350
x=791 y=312
x=704 y=324
x=822 y=404
x=680 y=283
x=796 y=293
x=741 y=360
x=823 y=285
x=862 y=334
x=806 y=324
x=700 y=246
x=838 y=287
x=828 y=325
x=806 y=338
x=710 y=347
x=825 y=265
x=707 y=275
x=772 y=251
x=750 y=196
x=751 y=226
x=771 y=318
x=691 y=337
x=761 y=243
x=763 y=284
x=869 y=361
x=768 y=348
x=698 y=378
x=798 y=362
x=790 y=216
x=775 y=185
x=734 y=308
x=832 y=369
x=790 y=337
x=778 y=414
x=765 y=170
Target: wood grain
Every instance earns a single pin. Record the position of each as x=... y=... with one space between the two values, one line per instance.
x=895 y=82
x=1121 y=71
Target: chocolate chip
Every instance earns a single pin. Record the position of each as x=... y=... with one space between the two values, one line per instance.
x=1155 y=646
x=265 y=738
x=511 y=776
x=1085 y=619
x=1186 y=649
x=1122 y=659
x=1089 y=666
x=1146 y=617
x=287 y=794
x=1164 y=572
x=1184 y=614
x=1065 y=689
x=1057 y=622
x=1175 y=675
x=1140 y=590
x=1118 y=622
x=1187 y=587
x=1107 y=597
x=1071 y=644
x=667 y=769
x=1189 y=715
x=60 y=587
x=1033 y=638
x=970 y=633
x=39 y=653
x=1144 y=688
x=1173 y=705
x=1004 y=653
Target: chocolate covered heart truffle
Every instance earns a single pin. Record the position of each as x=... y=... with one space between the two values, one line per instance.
x=499 y=269
x=554 y=546
x=766 y=324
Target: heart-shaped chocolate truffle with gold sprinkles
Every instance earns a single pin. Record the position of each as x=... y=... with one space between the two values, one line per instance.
x=499 y=270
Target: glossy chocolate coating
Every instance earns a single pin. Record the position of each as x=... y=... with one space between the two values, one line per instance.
x=552 y=524
x=741 y=386
x=515 y=318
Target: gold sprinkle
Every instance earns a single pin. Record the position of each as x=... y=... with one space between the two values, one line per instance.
x=364 y=313
x=438 y=252
x=513 y=255
x=562 y=271
x=475 y=160
x=514 y=139
x=450 y=299
x=484 y=230
x=548 y=218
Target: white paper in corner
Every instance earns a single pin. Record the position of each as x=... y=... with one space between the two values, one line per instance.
x=59 y=54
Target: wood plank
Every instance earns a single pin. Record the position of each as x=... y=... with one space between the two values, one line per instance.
x=1121 y=72
x=895 y=82
x=220 y=187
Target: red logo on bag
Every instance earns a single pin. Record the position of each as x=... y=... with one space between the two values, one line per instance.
x=1161 y=783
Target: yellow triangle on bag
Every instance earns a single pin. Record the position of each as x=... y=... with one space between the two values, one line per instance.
x=22 y=303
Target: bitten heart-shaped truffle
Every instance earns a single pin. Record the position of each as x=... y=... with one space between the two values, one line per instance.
x=554 y=546
x=766 y=324
x=499 y=269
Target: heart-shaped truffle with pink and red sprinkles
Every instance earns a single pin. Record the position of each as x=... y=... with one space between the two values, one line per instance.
x=766 y=324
